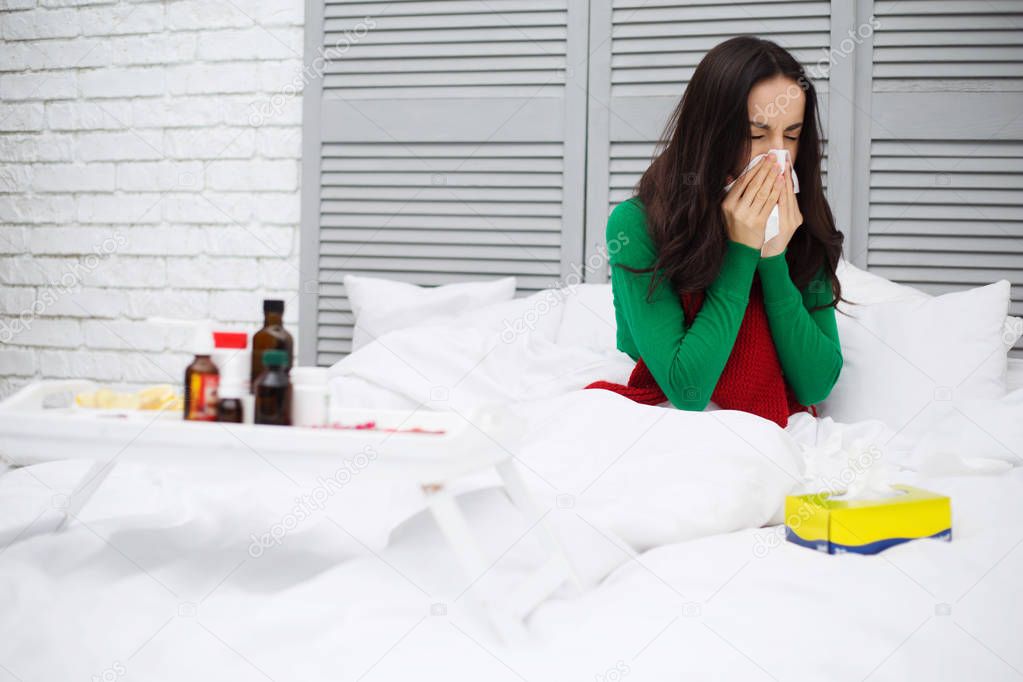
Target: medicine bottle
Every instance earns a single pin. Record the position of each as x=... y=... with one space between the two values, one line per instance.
x=272 y=335
x=273 y=390
x=201 y=379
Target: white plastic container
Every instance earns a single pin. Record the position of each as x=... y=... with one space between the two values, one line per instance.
x=309 y=396
x=232 y=357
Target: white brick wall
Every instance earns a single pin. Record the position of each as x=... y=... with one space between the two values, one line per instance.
x=143 y=173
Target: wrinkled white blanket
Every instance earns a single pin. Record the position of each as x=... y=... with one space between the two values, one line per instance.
x=159 y=580
x=649 y=475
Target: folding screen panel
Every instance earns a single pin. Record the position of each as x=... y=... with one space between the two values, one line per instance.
x=443 y=143
x=945 y=178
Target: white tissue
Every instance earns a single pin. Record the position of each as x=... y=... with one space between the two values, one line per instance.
x=849 y=463
x=771 y=230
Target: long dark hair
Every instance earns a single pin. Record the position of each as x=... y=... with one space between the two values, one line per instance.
x=707 y=139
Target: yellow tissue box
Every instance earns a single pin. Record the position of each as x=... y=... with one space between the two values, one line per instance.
x=866 y=526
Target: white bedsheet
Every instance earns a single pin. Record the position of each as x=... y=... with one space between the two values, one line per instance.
x=158 y=584
x=159 y=581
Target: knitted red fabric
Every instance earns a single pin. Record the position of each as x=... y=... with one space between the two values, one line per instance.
x=752 y=380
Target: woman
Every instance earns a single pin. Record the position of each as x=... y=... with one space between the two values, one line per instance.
x=711 y=311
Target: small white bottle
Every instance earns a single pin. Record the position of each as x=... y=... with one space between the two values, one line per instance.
x=309 y=396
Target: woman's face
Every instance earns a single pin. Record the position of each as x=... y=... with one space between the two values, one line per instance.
x=776 y=107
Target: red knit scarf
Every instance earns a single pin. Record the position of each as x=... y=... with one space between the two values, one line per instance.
x=752 y=379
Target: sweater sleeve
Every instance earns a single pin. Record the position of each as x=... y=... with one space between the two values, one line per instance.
x=807 y=342
x=685 y=362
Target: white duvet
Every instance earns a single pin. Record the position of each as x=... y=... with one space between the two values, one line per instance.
x=652 y=475
x=159 y=582
x=159 y=586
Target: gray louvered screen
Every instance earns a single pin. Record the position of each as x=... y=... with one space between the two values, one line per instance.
x=446 y=48
x=948 y=45
x=444 y=145
x=420 y=180
x=638 y=75
x=946 y=150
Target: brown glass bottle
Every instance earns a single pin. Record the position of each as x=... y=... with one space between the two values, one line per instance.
x=273 y=336
x=230 y=410
x=201 y=380
x=273 y=390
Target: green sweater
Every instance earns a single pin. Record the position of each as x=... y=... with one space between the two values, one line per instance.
x=679 y=357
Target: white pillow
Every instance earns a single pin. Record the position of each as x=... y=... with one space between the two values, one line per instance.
x=589 y=317
x=904 y=359
x=860 y=286
x=537 y=315
x=383 y=305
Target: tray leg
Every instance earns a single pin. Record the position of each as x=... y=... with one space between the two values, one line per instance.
x=559 y=565
x=452 y=523
x=86 y=488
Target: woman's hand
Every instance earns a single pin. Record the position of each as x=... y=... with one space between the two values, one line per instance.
x=789 y=219
x=749 y=202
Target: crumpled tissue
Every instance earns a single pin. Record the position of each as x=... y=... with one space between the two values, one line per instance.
x=850 y=463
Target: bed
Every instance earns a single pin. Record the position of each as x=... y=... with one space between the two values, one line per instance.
x=163 y=578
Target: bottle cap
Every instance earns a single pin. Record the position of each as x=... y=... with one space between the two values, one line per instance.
x=273 y=305
x=222 y=340
x=275 y=358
